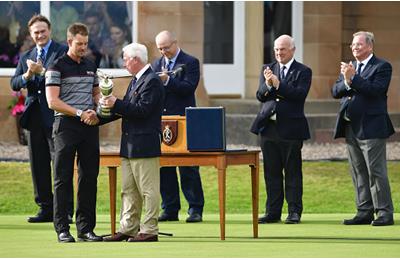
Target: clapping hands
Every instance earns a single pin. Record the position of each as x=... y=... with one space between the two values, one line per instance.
x=271 y=79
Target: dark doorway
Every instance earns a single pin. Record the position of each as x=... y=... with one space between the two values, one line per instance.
x=277 y=21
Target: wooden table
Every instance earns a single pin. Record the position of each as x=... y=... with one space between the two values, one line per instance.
x=220 y=160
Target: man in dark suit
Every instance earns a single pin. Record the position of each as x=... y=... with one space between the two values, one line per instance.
x=141 y=110
x=283 y=89
x=37 y=117
x=364 y=121
x=180 y=90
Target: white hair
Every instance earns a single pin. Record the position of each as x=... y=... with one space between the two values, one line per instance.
x=136 y=50
x=286 y=38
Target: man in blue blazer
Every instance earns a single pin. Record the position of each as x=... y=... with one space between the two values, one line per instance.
x=37 y=117
x=364 y=121
x=180 y=87
x=141 y=110
x=282 y=125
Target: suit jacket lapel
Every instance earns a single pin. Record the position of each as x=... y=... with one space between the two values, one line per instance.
x=291 y=71
x=33 y=54
x=50 y=55
x=139 y=83
x=276 y=69
x=368 y=66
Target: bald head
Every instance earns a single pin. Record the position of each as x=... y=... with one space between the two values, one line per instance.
x=167 y=44
x=165 y=36
x=284 y=48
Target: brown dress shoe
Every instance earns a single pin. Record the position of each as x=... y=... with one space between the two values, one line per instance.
x=117 y=238
x=142 y=237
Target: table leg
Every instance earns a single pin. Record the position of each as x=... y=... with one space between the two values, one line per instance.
x=222 y=194
x=254 y=195
x=112 y=178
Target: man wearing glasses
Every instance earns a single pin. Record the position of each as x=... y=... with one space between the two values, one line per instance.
x=364 y=121
x=180 y=88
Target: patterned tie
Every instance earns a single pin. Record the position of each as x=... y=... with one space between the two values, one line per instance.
x=42 y=55
x=132 y=86
x=359 y=68
x=169 y=65
x=283 y=72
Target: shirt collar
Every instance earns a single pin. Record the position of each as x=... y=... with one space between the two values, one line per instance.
x=45 y=48
x=173 y=58
x=142 y=71
x=364 y=62
x=287 y=65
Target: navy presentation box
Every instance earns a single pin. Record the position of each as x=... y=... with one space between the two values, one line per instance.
x=205 y=128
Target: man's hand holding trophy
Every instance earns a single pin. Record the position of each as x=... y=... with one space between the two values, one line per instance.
x=107 y=100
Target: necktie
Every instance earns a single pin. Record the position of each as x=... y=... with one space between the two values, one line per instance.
x=169 y=65
x=132 y=86
x=359 y=68
x=283 y=72
x=42 y=55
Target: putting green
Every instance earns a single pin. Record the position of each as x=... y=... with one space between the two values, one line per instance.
x=319 y=235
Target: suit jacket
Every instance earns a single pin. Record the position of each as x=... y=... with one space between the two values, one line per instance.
x=287 y=102
x=366 y=101
x=180 y=91
x=36 y=85
x=141 y=117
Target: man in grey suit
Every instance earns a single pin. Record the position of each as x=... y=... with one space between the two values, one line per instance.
x=364 y=121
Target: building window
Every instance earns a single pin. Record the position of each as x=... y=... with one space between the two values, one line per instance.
x=277 y=21
x=109 y=23
x=110 y=28
x=218 y=32
x=14 y=35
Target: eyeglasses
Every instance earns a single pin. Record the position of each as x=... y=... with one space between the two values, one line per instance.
x=166 y=48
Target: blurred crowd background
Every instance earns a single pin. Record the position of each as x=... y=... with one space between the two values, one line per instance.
x=109 y=23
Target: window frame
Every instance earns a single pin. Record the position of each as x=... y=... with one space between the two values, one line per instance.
x=45 y=10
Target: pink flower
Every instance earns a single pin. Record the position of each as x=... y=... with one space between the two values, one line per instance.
x=17 y=104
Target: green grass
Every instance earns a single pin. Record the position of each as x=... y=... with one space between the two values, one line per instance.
x=319 y=235
x=327 y=189
x=328 y=199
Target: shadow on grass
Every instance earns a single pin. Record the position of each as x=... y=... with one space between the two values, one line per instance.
x=36 y=226
x=242 y=222
x=280 y=239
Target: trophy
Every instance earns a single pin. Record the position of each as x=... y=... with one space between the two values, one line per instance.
x=106 y=87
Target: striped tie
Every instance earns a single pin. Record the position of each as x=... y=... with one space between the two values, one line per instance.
x=42 y=55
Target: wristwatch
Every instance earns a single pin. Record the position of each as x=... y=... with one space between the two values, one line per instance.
x=79 y=113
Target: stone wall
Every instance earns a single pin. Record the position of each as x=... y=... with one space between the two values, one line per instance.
x=328 y=30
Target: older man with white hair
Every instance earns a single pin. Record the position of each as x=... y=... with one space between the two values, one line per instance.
x=140 y=110
x=282 y=125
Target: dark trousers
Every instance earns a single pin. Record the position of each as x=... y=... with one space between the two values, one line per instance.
x=41 y=153
x=191 y=188
x=72 y=137
x=282 y=172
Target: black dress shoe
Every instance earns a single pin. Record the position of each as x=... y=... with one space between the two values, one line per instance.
x=89 y=237
x=168 y=217
x=65 y=237
x=383 y=221
x=41 y=218
x=359 y=220
x=195 y=217
x=293 y=218
x=269 y=218
x=117 y=238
